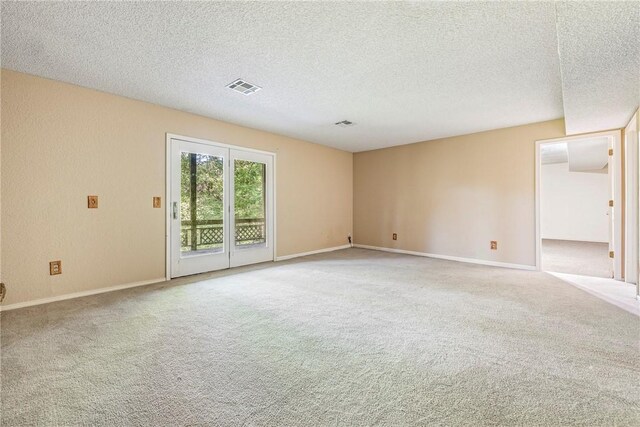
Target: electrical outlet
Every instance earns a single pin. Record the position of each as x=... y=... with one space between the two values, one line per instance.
x=494 y=245
x=395 y=236
x=55 y=267
x=157 y=202
x=92 y=202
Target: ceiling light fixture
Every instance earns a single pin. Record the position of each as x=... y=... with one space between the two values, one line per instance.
x=243 y=87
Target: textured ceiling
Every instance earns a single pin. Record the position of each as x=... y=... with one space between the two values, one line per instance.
x=599 y=45
x=401 y=71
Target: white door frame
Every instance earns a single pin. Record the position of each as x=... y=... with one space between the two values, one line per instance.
x=631 y=201
x=200 y=261
x=615 y=135
x=169 y=137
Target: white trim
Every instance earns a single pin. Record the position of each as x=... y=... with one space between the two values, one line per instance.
x=274 y=210
x=217 y=144
x=538 y=229
x=631 y=201
x=618 y=270
x=613 y=132
x=319 y=251
x=80 y=294
x=167 y=202
x=450 y=258
x=615 y=135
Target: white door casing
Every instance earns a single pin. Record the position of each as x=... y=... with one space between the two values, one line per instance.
x=615 y=174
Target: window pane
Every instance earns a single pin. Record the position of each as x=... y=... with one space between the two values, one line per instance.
x=250 y=206
x=201 y=203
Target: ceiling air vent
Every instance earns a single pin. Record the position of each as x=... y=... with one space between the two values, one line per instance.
x=243 y=87
x=344 y=124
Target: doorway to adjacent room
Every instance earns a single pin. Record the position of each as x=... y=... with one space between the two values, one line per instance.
x=578 y=221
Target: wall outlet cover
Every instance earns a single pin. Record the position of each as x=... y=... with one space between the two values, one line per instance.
x=157 y=202
x=55 y=267
x=92 y=202
x=494 y=245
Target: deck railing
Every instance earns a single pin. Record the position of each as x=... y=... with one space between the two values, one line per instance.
x=209 y=234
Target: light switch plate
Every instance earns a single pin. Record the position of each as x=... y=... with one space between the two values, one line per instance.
x=92 y=202
x=157 y=202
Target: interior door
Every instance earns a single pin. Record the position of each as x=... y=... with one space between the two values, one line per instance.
x=251 y=219
x=199 y=208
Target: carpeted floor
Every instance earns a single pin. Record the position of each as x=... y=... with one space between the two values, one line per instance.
x=584 y=258
x=354 y=337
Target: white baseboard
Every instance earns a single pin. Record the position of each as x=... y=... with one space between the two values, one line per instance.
x=79 y=294
x=319 y=251
x=450 y=258
x=280 y=258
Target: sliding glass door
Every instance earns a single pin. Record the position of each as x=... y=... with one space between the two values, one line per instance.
x=221 y=207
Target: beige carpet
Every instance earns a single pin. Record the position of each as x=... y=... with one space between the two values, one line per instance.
x=584 y=258
x=354 y=337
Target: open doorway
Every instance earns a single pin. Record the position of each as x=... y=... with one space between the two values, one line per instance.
x=578 y=223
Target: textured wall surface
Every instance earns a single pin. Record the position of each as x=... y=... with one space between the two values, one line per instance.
x=574 y=205
x=453 y=196
x=61 y=143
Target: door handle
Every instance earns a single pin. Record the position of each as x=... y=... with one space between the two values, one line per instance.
x=175 y=210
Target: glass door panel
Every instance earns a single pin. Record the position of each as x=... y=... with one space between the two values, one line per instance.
x=252 y=207
x=249 y=203
x=201 y=203
x=199 y=197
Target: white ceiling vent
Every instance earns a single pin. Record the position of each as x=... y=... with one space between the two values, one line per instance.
x=345 y=124
x=243 y=87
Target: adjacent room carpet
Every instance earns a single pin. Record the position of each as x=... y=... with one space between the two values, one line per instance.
x=354 y=337
x=572 y=257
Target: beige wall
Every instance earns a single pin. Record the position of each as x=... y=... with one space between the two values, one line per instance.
x=452 y=196
x=61 y=143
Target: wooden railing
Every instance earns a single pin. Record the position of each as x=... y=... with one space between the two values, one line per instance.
x=209 y=234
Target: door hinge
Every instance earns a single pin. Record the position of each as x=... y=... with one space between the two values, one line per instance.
x=610 y=203
x=611 y=151
x=611 y=254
